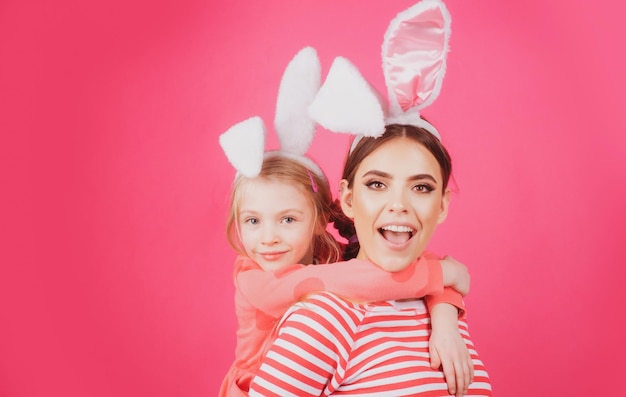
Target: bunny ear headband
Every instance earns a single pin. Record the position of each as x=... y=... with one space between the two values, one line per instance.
x=244 y=143
x=414 y=63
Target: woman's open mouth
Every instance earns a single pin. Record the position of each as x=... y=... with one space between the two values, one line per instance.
x=397 y=234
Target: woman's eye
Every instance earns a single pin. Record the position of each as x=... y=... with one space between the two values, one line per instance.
x=251 y=221
x=424 y=187
x=289 y=219
x=376 y=185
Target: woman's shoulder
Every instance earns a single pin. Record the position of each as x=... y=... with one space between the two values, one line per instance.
x=325 y=306
x=324 y=316
x=323 y=298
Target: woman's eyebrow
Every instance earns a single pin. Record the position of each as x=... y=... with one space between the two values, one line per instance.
x=422 y=176
x=377 y=173
x=382 y=174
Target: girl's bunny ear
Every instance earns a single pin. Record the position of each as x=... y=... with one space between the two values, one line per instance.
x=244 y=144
x=414 y=56
x=346 y=102
x=298 y=87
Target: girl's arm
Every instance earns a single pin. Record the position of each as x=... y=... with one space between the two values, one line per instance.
x=446 y=346
x=274 y=292
x=450 y=296
x=456 y=280
x=448 y=350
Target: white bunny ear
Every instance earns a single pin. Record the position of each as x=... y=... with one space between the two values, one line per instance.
x=298 y=87
x=414 y=55
x=346 y=102
x=244 y=144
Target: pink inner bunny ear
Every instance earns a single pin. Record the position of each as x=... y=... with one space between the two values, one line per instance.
x=414 y=55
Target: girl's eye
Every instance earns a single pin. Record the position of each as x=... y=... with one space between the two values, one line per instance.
x=289 y=219
x=424 y=187
x=251 y=221
x=376 y=185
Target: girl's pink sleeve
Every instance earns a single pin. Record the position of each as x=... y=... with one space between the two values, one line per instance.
x=274 y=292
x=450 y=296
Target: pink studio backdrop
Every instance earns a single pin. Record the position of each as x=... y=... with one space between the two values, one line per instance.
x=115 y=276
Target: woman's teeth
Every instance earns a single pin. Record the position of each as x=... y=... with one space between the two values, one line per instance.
x=398 y=229
x=396 y=233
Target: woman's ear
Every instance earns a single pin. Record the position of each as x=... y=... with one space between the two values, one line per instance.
x=445 y=203
x=345 y=198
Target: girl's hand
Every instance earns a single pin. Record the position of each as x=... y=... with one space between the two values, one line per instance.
x=455 y=275
x=448 y=350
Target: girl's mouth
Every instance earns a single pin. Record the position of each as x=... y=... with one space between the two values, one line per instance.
x=272 y=256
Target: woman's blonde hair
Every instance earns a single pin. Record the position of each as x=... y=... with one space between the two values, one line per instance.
x=315 y=187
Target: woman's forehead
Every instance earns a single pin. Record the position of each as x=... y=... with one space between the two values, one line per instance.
x=401 y=156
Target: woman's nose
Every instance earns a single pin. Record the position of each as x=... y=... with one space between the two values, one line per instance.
x=398 y=207
x=398 y=202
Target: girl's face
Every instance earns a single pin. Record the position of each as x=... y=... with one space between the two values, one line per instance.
x=276 y=224
x=396 y=202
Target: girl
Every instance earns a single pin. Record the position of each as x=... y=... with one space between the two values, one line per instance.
x=277 y=223
x=395 y=189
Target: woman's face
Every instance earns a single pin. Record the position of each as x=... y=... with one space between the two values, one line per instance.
x=396 y=202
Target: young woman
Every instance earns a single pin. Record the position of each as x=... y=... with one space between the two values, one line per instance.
x=395 y=188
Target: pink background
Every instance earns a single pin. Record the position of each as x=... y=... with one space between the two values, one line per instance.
x=115 y=272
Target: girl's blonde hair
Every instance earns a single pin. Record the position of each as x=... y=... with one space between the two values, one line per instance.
x=315 y=187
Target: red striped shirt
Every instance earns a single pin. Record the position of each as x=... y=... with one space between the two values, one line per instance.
x=329 y=346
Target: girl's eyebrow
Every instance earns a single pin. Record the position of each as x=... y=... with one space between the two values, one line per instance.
x=285 y=211
x=291 y=210
x=382 y=174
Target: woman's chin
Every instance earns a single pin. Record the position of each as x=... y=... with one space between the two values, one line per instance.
x=393 y=263
x=393 y=257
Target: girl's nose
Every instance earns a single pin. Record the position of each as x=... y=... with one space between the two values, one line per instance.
x=269 y=236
